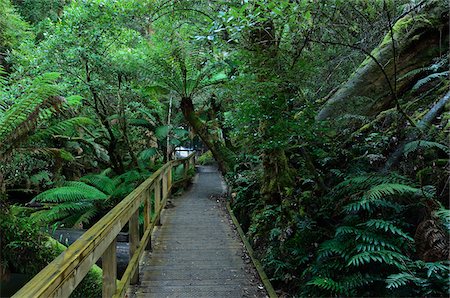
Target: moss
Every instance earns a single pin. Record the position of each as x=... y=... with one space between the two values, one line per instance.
x=91 y=285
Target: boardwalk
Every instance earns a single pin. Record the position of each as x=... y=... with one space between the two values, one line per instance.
x=196 y=252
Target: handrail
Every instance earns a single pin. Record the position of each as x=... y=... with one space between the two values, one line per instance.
x=65 y=272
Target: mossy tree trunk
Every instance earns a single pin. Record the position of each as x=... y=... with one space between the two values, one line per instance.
x=224 y=156
x=380 y=79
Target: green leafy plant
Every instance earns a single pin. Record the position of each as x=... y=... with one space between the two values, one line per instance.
x=78 y=202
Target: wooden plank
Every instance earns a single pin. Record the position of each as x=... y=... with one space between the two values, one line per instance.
x=109 y=267
x=134 y=243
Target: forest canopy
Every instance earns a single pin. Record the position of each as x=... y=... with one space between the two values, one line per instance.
x=329 y=120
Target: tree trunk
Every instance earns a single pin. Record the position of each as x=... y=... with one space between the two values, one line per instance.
x=277 y=175
x=223 y=155
x=418 y=39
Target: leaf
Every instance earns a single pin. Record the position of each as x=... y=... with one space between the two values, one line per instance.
x=161 y=132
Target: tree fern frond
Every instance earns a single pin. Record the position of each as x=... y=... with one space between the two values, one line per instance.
x=380 y=256
x=444 y=216
x=388 y=189
x=421 y=144
x=328 y=284
x=398 y=280
x=72 y=192
x=429 y=78
x=65 y=127
x=83 y=217
x=369 y=205
x=101 y=182
x=386 y=226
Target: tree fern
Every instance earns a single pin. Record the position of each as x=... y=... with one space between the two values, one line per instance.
x=23 y=115
x=369 y=244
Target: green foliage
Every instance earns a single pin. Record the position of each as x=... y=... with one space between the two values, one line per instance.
x=22 y=116
x=23 y=244
x=79 y=202
x=421 y=144
x=206 y=158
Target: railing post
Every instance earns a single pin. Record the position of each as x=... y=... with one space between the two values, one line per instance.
x=165 y=184
x=147 y=215
x=185 y=169
x=109 y=268
x=157 y=199
x=169 y=179
x=134 y=242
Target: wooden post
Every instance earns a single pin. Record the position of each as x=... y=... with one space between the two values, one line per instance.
x=185 y=168
x=147 y=215
x=164 y=188
x=134 y=242
x=157 y=199
x=169 y=180
x=109 y=268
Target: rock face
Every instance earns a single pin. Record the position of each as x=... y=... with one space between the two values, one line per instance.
x=419 y=37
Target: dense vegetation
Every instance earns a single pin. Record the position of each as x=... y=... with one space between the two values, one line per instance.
x=329 y=119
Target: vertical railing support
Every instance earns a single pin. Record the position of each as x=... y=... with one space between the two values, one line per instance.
x=109 y=268
x=185 y=168
x=147 y=215
x=157 y=199
x=169 y=180
x=165 y=184
x=134 y=242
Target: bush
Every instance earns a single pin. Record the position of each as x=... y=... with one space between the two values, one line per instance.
x=26 y=249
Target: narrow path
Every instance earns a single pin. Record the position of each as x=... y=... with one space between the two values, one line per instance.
x=196 y=252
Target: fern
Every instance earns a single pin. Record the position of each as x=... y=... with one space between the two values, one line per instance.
x=429 y=78
x=101 y=182
x=387 y=226
x=444 y=216
x=421 y=144
x=388 y=189
x=71 y=192
x=394 y=281
x=65 y=127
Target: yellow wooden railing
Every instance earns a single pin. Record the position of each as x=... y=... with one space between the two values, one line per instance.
x=61 y=276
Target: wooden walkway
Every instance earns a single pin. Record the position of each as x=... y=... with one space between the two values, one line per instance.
x=196 y=252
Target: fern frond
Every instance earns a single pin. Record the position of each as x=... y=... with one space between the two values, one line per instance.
x=429 y=78
x=84 y=216
x=369 y=205
x=386 y=226
x=72 y=192
x=65 y=127
x=101 y=182
x=380 y=256
x=398 y=280
x=388 y=189
x=421 y=144
x=444 y=216
x=328 y=284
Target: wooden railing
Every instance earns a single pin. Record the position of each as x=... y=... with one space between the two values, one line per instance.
x=63 y=274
